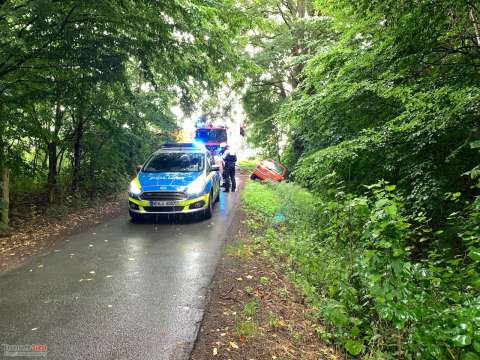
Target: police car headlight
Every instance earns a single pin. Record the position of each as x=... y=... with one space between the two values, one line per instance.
x=134 y=188
x=195 y=188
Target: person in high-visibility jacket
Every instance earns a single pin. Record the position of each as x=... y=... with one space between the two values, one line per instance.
x=229 y=160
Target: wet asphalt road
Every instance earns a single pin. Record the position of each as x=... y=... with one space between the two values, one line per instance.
x=117 y=291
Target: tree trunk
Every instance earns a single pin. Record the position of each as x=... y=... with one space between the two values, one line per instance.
x=52 y=172
x=52 y=153
x=5 y=199
x=475 y=26
x=77 y=154
x=45 y=160
x=5 y=196
x=93 y=182
x=301 y=8
x=35 y=159
x=61 y=157
x=297 y=48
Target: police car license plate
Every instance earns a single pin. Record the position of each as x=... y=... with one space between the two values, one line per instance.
x=163 y=203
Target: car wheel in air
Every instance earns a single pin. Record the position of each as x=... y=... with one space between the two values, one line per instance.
x=253 y=177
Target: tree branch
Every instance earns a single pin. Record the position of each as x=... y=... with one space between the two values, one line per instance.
x=284 y=17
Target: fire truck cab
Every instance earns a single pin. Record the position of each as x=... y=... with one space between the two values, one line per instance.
x=211 y=137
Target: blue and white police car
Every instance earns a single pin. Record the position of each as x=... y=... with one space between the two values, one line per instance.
x=178 y=178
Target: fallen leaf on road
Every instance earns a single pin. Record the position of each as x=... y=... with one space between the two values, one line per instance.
x=215 y=351
x=233 y=345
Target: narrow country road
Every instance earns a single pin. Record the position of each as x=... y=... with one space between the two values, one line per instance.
x=117 y=291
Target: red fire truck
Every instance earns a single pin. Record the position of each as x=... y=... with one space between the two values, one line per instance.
x=211 y=136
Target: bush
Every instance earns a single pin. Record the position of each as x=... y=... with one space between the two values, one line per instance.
x=423 y=152
x=384 y=283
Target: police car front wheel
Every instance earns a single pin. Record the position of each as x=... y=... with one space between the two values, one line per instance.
x=209 y=210
x=136 y=217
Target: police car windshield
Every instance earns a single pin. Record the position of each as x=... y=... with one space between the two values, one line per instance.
x=175 y=162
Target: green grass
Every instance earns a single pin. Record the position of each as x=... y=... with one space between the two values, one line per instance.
x=248 y=290
x=259 y=198
x=238 y=250
x=245 y=328
x=248 y=164
x=250 y=308
x=277 y=202
x=264 y=280
x=283 y=293
x=272 y=320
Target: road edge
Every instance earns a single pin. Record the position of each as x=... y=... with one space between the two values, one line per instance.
x=41 y=240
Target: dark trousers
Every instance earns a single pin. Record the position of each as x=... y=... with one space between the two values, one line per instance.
x=229 y=176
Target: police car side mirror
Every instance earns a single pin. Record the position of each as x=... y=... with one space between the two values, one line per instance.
x=214 y=168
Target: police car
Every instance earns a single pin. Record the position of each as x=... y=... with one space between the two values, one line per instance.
x=179 y=178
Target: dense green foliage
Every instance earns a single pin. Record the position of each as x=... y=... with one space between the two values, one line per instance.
x=386 y=92
x=284 y=36
x=347 y=94
x=357 y=261
x=86 y=87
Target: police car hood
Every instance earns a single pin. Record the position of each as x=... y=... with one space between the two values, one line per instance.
x=166 y=181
